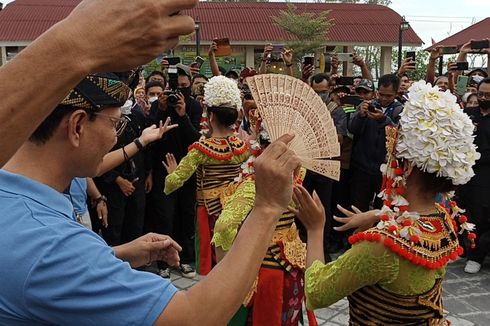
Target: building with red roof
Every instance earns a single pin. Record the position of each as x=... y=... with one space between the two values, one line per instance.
x=477 y=31
x=248 y=25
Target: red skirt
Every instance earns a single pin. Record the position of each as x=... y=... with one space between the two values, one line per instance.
x=205 y=255
x=277 y=300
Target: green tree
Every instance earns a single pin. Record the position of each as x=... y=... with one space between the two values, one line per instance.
x=308 y=30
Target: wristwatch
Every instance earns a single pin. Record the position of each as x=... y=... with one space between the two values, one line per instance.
x=99 y=199
x=138 y=143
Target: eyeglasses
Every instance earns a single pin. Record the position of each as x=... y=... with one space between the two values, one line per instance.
x=483 y=94
x=117 y=123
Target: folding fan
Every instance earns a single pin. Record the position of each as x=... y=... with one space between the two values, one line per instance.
x=288 y=104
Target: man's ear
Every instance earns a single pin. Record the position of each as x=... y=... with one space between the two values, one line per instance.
x=76 y=125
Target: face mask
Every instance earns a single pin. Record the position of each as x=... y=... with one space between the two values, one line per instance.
x=484 y=104
x=186 y=91
x=325 y=97
x=126 y=108
x=152 y=99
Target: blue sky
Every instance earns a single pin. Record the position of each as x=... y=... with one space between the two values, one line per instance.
x=434 y=18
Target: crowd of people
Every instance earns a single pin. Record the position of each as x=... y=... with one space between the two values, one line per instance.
x=360 y=128
x=175 y=168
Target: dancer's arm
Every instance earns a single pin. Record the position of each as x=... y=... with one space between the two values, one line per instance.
x=366 y=263
x=186 y=168
x=234 y=212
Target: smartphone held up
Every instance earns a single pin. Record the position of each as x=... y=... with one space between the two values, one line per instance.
x=223 y=47
x=309 y=60
x=480 y=45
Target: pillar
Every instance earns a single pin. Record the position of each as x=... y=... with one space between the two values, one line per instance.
x=249 y=56
x=347 y=67
x=3 y=55
x=385 y=61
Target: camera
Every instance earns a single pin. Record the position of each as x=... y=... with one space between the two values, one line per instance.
x=373 y=106
x=173 y=82
x=172 y=98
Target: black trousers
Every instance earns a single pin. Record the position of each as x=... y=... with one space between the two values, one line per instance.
x=323 y=187
x=173 y=215
x=364 y=188
x=476 y=201
x=125 y=214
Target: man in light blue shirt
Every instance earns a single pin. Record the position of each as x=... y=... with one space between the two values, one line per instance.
x=46 y=235
x=55 y=271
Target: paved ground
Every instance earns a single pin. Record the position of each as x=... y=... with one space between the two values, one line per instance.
x=466 y=298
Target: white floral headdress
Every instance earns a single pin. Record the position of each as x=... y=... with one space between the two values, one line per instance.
x=222 y=92
x=436 y=135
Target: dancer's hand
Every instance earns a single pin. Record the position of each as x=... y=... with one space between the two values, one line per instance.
x=355 y=219
x=170 y=163
x=309 y=209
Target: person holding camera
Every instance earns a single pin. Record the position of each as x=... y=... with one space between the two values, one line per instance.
x=367 y=125
x=407 y=66
x=471 y=47
x=197 y=86
x=174 y=214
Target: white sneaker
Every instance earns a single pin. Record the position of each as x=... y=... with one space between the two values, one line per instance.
x=187 y=271
x=165 y=272
x=472 y=267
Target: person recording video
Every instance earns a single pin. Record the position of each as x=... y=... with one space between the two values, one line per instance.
x=163 y=211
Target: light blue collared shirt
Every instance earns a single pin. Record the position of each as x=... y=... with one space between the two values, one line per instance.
x=55 y=271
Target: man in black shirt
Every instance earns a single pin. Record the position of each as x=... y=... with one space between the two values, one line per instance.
x=476 y=193
x=367 y=125
x=174 y=214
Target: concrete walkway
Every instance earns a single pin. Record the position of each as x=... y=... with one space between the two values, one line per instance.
x=466 y=297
